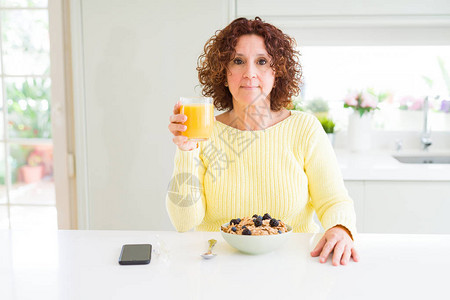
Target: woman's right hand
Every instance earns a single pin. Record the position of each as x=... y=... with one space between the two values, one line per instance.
x=176 y=127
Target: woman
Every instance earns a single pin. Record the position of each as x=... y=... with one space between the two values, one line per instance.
x=260 y=157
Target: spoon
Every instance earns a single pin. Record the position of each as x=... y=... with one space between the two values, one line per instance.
x=209 y=254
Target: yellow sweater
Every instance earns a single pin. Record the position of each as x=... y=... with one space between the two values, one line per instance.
x=288 y=170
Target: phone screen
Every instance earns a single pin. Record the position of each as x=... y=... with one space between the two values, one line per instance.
x=135 y=254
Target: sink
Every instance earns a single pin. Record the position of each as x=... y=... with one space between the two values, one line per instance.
x=423 y=159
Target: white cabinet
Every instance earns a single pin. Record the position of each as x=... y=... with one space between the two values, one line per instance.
x=356 y=192
x=401 y=206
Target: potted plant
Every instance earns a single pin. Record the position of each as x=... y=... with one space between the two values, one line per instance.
x=34 y=169
x=29 y=116
x=328 y=126
x=360 y=121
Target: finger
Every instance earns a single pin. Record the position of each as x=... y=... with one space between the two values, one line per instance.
x=179 y=140
x=326 y=251
x=176 y=108
x=355 y=255
x=177 y=128
x=346 y=257
x=337 y=252
x=179 y=118
x=318 y=247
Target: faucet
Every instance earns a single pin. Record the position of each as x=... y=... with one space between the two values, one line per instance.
x=425 y=139
x=398 y=145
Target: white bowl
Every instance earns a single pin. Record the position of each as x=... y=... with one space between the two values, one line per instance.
x=256 y=244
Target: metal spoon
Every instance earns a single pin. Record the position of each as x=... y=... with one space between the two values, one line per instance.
x=209 y=254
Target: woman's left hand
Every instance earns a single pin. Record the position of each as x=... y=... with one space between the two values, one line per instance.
x=338 y=240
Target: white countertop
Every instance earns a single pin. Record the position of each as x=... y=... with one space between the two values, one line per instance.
x=379 y=165
x=83 y=265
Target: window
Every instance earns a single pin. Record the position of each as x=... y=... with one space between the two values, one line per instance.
x=27 y=191
x=404 y=74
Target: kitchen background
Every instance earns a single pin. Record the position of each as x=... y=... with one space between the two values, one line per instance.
x=109 y=73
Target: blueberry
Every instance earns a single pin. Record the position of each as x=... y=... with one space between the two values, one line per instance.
x=255 y=216
x=266 y=217
x=239 y=220
x=246 y=231
x=244 y=227
x=257 y=222
x=280 y=232
x=274 y=223
x=234 y=221
x=233 y=229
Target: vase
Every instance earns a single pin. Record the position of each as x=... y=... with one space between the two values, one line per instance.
x=31 y=174
x=359 y=132
x=331 y=138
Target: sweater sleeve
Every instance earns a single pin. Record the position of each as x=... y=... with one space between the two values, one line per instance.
x=328 y=194
x=185 y=199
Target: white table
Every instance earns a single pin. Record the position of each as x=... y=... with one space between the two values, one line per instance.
x=83 y=265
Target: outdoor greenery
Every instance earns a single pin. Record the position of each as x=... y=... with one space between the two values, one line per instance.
x=297 y=104
x=317 y=105
x=443 y=100
x=17 y=158
x=29 y=109
x=29 y=116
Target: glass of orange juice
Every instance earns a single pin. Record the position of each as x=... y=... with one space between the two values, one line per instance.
x=200 y=117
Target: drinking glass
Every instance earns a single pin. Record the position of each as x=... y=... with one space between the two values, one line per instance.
x=200 y=117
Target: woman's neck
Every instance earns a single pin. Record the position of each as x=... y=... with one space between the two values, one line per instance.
x=255 y=117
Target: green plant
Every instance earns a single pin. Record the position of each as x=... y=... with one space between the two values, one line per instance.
x=327 y=124
x=444 y=104
x=18 y=155
x=29 y=109
x=34 y=159
x=317 y=105
x=13 y=165
x=297 y=104
x=444 y=72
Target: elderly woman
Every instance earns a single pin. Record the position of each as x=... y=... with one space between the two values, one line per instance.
x=261 y=157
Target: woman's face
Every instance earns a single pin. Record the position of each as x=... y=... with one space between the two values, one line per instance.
x=249 y=73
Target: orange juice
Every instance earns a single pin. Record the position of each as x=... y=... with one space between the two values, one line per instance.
x=200 y=120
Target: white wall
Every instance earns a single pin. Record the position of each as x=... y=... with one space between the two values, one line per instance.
x=133 y=59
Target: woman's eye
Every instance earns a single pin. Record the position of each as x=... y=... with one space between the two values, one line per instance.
x=262 y=61
x=238 y=61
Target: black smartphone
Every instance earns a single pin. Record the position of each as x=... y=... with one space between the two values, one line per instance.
x=137 y=254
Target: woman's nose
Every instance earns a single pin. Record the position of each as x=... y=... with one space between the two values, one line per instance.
x=250 y=71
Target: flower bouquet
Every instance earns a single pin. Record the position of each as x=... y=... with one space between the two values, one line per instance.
x=360 y=122
x=361 y=102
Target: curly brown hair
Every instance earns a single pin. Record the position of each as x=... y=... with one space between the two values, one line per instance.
x=219 y=50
